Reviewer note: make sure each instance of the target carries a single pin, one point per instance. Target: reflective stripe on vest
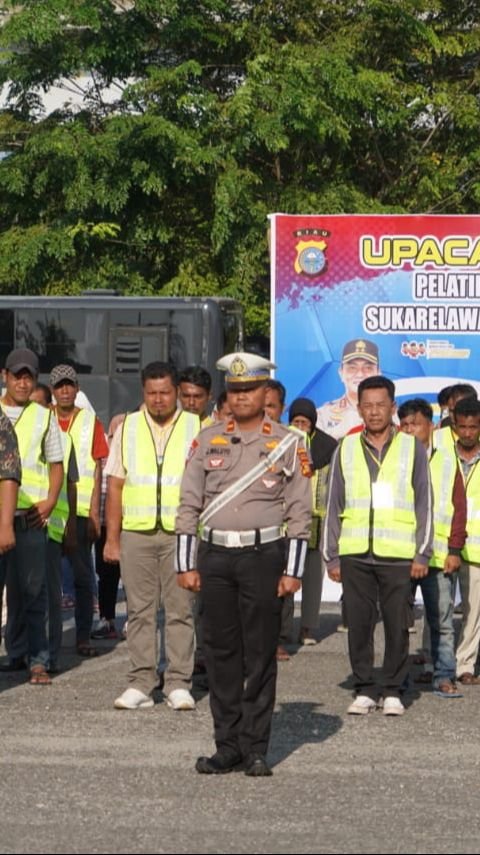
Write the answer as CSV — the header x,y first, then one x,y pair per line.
x,y
141,511
471,550
443,439
393,528
31,428
59,516
82,430
443,467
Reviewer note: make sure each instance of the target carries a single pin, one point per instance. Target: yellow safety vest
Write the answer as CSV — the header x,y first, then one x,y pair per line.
x,y
31,428
443,466
57,520
471,550
393,527
151,492
319,483
81,430
444,439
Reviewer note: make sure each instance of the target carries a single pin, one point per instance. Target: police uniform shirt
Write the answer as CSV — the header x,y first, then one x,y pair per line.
x,y
220,456
338,417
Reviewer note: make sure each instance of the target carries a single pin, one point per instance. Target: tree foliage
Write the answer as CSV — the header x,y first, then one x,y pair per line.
x,y
194,119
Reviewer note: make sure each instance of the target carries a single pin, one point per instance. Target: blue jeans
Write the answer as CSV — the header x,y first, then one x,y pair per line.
x,y
27,595
438,593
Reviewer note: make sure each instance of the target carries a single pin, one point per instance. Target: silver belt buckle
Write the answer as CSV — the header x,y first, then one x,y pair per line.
x,y
233,539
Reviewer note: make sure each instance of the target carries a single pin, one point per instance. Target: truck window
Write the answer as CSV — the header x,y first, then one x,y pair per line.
x,y
76,336
6,334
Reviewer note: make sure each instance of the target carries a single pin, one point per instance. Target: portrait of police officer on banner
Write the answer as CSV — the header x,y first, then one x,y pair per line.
x,y
360,359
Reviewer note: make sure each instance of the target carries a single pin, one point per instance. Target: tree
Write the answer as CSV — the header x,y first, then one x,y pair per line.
x,y
197,118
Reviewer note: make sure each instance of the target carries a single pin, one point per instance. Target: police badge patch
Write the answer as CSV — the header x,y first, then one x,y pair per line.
x,y
311,259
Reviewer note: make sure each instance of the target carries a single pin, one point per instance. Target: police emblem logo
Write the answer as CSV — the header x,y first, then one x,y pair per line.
x,y
238,367
311,259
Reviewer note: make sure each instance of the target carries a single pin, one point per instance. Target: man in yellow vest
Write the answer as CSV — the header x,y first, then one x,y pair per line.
x,y
145,467
378,533
444,436
195,392
302,415
90,445
449,522
466,424
41,454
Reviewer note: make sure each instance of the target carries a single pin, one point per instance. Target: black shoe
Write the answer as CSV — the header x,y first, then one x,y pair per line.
x,y
18,664
257,767
219,764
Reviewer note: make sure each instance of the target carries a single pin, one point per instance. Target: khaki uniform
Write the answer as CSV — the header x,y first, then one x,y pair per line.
x,y
240,607
338,417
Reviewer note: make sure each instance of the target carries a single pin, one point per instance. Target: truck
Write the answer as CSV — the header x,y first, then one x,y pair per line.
x,y
109,338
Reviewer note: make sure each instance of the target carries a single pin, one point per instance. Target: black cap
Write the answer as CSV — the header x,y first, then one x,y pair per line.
x,y
20,359
303,407
360,348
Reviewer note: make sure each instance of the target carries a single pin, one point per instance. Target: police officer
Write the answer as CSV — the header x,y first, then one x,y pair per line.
x,y
246,479
359,360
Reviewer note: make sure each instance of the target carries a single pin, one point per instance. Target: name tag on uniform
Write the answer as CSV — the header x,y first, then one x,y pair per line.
x,y
382,496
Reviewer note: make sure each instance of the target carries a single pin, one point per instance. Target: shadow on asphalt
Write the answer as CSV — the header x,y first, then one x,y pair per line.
x,y
298,724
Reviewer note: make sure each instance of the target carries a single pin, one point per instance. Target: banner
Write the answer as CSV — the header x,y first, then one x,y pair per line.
x,y
354,295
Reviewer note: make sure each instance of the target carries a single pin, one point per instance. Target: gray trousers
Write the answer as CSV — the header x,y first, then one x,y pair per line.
x,y
469,641
148,574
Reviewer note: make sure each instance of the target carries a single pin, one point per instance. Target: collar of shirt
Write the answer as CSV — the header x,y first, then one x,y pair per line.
x,y
380,453
467,462
266,428
161,428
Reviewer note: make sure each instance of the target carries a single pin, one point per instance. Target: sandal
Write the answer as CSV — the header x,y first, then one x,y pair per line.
x,y
282,655
39,676
86,650
468,679
447,689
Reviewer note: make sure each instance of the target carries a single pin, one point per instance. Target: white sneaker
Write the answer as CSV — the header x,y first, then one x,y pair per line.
x,y
393,706
180,699
362,705
133,699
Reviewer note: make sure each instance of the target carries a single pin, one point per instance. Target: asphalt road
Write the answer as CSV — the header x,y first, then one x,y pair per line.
x,y
78,776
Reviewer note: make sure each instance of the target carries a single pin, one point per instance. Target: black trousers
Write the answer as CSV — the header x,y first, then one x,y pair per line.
x,y
364,584
241,626
108,580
